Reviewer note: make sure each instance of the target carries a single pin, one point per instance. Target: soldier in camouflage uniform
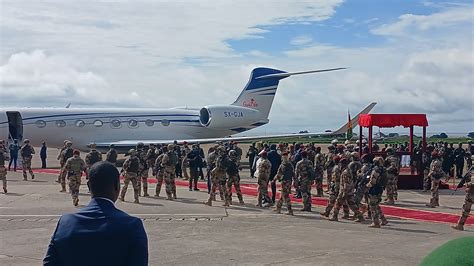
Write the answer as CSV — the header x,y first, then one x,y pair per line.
x,y
378,179
218,175
211,164
92,157
65,155
143,173
26,153
233,177
131,167
150,156
185,162
466,208
111,155
3,170
73,168
361,185
436,173
329,164
159,171
346,192
334,187
319,162
285,175
392,166
169,161
61,160
263,175
305,173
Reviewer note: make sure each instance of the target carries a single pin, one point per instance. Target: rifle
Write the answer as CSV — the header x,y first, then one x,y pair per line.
x,y
463,179
364,179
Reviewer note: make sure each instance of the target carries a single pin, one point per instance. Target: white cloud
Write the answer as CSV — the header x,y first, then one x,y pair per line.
x,y
410,23
301,40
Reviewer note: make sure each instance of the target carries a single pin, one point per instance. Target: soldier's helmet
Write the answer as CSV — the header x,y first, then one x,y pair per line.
x,y
170,147
111,146
232,153
93,146
389,151
221,150
66,141
132,152
140,145
334,141
76,152
378,161
347,142
152,145
69,143
26,141
355,156
343,161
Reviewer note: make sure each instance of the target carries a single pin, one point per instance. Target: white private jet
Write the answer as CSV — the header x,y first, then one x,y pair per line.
x,y
126,127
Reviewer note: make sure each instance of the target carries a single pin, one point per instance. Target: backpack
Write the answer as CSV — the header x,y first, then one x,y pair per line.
x,y
172,158
68,154
134,165
26,151
288,172
94,157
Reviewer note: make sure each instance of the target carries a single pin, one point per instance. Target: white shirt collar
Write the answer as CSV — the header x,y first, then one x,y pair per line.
x,y
105,199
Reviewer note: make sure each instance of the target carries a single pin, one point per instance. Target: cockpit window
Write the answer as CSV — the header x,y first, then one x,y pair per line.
x,y
132,123
165,122
40,123
115,123
149,122
60,123
80,123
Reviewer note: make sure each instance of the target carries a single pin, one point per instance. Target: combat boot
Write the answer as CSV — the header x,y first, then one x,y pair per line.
x,y
459,227
389,201
374,225
32,177
325,214
63,189
174,195
360,218
290,212
241,200
436,203
24,177
208,202
5,190
334,217
277,210
121,198
136,201
346,216
226,203
384,221
157,195
145,193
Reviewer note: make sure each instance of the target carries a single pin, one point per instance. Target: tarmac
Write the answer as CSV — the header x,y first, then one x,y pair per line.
x,y
186,232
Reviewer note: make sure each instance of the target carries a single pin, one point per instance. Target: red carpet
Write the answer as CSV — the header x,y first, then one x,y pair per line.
x,y
403,213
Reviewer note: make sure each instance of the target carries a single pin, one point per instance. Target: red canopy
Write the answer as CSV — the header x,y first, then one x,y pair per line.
x,y
393,120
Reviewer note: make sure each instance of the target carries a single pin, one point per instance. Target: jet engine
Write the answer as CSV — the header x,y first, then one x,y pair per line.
x,y
227,116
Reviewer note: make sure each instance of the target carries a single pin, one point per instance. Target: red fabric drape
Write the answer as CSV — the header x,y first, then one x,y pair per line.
x,y
393,120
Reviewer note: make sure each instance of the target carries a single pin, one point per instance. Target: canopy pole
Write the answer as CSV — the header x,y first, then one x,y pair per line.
x,y
370,140
360,141
411,140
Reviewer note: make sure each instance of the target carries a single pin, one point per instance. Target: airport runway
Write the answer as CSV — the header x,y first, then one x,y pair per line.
x,y
186,232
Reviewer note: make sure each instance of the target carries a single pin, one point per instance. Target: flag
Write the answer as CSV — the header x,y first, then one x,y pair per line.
x,y
349,126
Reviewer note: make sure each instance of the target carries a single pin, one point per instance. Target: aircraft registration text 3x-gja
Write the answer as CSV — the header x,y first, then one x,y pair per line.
x,y
125,127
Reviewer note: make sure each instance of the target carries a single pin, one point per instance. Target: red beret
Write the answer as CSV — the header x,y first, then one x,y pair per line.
x,y
76,152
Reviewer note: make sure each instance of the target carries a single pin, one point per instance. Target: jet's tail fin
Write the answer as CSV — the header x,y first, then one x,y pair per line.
x,y
262,86
354,121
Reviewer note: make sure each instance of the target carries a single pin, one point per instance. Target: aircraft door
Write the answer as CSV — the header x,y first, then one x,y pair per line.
x,y
15,126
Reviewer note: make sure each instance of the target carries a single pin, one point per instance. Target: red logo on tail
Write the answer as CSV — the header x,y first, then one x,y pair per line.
x,y
250,103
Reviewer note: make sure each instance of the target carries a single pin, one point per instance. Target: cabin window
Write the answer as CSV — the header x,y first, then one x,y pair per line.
x,y
115,123
60,123
80,123
98,123
40,123
165,122
132,123
149,122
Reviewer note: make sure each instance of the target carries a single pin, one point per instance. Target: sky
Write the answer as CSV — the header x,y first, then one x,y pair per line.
x,y
408,56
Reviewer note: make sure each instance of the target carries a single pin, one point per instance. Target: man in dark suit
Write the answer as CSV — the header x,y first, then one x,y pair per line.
x,y
99,234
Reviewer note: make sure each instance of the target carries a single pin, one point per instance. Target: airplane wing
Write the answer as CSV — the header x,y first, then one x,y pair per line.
x,y
125,145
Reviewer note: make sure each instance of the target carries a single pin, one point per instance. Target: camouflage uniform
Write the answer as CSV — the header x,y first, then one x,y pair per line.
x,y
27,152
160,171
334,187
184,162
466,207
233,177
329,165
61,160
92,157
218,175
319,172
285,175
131,166
436,173
375,185
361,189
143,173
346,192
73,169
67,153
111,156
3,170
302,171
393,164
263,175
169,161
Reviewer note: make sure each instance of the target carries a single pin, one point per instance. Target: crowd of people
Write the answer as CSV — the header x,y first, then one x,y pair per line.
x,y
355,183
